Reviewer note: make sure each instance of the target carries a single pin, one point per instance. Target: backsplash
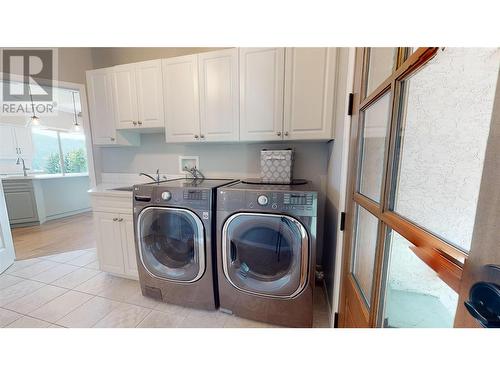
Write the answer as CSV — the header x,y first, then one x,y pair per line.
x,y
216,160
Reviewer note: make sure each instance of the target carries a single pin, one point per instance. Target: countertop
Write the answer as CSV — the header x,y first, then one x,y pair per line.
x,y
107,190
42,176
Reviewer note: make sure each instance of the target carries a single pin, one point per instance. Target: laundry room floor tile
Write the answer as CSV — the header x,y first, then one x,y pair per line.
x,y
158,319
125,316
7,317
61,306
28,322
89,313
69,290
32,301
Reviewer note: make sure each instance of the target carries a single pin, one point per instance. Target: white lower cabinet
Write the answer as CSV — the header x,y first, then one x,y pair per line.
x,y
128,244
116,243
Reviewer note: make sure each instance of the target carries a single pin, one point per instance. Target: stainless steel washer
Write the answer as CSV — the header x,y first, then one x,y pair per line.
x,y
266,246
173,224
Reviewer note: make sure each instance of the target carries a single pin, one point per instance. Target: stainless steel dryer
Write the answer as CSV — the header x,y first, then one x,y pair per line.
x,y
173,234
266,250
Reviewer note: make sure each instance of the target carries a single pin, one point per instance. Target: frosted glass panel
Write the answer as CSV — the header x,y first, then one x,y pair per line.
x,y
365,244
380,66
376,120
415,297
443,138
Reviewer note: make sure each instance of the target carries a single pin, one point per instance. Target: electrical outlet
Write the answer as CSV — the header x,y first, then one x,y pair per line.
x,y
188,162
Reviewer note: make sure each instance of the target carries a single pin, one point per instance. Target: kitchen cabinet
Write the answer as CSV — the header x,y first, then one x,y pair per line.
x,y
15,141
219,95
181,97
114,227
21,202
309,93
138,98
261,93
102,115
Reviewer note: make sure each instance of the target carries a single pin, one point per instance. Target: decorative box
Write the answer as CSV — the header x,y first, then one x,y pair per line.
x,y
276,166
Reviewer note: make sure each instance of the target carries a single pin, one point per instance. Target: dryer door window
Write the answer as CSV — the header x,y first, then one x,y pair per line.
x,y
265,254
171,243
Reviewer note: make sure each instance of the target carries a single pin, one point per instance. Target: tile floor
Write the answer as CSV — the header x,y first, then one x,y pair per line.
x,y
68,290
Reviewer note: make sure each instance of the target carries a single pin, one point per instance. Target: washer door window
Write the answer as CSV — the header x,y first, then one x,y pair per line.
x,y
265,254
171,243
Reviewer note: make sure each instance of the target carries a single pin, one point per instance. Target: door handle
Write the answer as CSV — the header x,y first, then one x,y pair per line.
x,y
484,304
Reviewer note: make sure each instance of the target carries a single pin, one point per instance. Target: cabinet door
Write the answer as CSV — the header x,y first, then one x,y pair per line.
x,y
101,106
8,147
180,89
150,94
309,93
219,96
261,93
128,245
125,96
21,207
24,141
109,247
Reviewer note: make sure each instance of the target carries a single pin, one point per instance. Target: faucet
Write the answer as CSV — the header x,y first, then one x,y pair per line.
x,y
19,161
157,179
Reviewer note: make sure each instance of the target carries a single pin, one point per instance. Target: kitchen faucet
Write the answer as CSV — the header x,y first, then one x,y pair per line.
x,y
157,179
19,161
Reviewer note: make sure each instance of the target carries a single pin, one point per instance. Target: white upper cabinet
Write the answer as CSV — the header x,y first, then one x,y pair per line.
x,y
149,94
309,93
125,96
261,93
180,90
219,95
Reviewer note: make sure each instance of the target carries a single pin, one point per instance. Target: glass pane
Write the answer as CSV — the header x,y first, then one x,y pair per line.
x,y
170,244
263,254
375,124
75,155
365,245
415,297
380,66
46,158
448,108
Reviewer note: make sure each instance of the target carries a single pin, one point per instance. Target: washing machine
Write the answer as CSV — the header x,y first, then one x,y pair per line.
x,y
173,227
266,250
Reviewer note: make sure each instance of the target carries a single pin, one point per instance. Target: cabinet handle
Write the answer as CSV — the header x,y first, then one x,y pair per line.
x,y
115,219
286,134
112,139
120,219
278,134
140,123
134,122
196,136
202,136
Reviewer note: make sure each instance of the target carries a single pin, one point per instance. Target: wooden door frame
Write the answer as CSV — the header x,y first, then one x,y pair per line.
x,y
445,259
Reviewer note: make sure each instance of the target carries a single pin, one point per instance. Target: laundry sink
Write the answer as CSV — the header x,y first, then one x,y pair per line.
x,y
124,188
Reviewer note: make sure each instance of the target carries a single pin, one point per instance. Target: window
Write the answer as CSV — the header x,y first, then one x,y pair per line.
x,y
442,141
58,152
415,296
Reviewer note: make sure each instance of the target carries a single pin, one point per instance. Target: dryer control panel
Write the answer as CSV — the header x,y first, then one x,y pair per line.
x,y
296,203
